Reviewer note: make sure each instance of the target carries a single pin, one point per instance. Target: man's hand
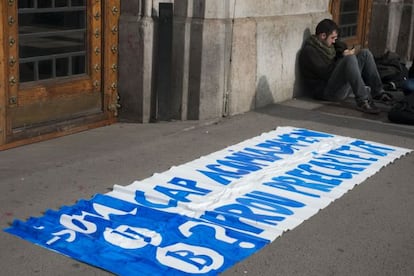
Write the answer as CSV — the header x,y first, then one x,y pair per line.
x,y
349,52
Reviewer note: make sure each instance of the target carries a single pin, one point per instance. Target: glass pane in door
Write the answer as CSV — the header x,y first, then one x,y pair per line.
x,y
52,39
348,19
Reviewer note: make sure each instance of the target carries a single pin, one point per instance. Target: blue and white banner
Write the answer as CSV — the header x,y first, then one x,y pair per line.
x,y
206,215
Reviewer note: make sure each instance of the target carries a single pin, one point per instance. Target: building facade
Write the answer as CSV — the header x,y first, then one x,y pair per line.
x,y
213,58
70,65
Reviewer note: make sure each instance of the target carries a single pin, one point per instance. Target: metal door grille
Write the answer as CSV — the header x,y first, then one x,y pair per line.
x,y
52,39
348,18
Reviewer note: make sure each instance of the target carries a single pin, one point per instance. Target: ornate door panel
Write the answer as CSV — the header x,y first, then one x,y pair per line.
x,y
353,18
57,59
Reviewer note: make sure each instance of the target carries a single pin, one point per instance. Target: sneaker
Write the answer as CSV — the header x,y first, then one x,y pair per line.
x,y
367,106
384,97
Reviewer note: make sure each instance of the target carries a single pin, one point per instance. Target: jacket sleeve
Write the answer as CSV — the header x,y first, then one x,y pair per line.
x,y
340,47
314,66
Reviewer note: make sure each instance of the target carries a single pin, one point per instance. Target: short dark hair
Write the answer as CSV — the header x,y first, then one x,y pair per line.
x,y
327,26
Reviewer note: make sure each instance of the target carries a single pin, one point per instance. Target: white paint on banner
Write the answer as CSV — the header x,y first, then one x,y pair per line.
x,y
265,185
203,216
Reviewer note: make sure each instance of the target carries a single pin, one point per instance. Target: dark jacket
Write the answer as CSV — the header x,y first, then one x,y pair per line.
x,y
315,69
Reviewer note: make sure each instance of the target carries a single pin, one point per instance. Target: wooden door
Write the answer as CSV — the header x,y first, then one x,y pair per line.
x,y
353,18
60,62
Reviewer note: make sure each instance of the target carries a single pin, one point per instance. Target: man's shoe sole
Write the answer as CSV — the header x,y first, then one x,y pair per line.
x,y
369,111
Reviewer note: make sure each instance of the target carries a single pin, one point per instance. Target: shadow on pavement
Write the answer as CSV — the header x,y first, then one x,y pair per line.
x,y
337,114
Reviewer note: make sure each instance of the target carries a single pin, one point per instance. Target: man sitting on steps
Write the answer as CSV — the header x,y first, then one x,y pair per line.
x,y
331,71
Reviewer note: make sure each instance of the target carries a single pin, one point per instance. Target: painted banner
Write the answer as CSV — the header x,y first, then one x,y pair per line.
x,y
204,216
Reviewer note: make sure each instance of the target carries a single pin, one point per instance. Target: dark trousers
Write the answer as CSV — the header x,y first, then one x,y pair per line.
x,y
353,74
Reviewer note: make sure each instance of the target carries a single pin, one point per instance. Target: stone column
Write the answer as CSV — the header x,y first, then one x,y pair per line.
x,y
394,23
392,28
200,57
136,46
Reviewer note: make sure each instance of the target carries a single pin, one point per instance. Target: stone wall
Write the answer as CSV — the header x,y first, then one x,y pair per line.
x,y
228,56
234,56
136,61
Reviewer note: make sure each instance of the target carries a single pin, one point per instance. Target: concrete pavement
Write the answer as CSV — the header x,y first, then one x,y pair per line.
x,y
369,231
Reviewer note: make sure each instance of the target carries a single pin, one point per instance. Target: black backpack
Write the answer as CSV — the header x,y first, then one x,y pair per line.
x,y
403,111
392,70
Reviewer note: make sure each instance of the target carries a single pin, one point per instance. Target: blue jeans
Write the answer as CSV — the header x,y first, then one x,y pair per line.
x,y
351,75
